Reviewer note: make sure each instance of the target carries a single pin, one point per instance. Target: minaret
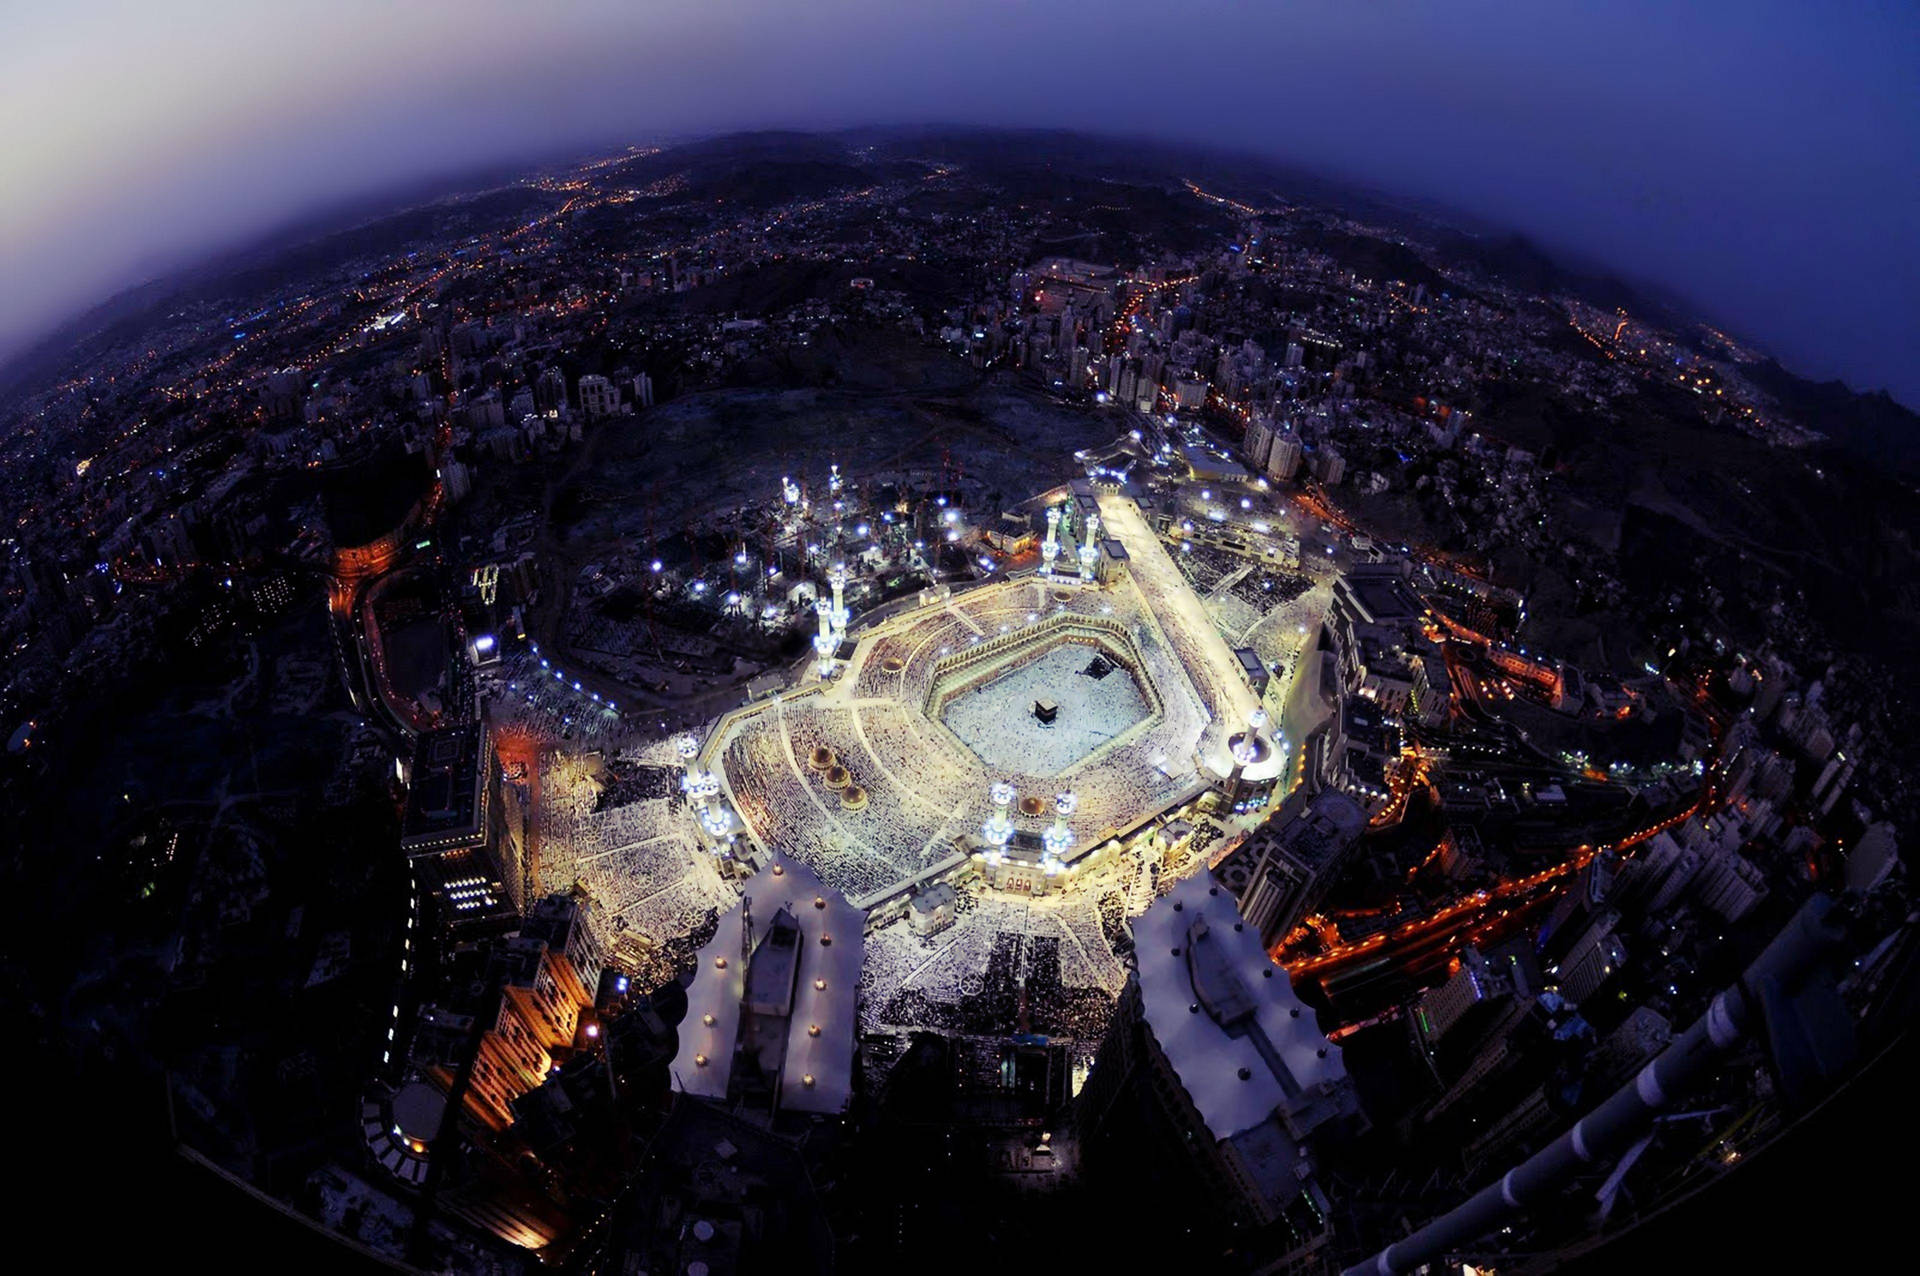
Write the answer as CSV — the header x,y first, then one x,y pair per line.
x,y
718,822
1247,748
1058,839
824,642
998,830
1050,547
838,579
703,791
1089,556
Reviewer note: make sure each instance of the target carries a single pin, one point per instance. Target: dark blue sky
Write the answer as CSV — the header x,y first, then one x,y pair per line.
x,y
1759,158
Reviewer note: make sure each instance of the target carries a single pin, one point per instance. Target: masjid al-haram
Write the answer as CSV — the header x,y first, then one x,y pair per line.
x,y
937,705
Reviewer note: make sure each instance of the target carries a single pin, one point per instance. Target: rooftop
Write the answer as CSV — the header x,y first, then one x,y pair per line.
x,y
821,979
1246,1050
447,786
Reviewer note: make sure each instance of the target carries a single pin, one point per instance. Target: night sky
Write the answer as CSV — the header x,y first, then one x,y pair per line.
x,y
1759,159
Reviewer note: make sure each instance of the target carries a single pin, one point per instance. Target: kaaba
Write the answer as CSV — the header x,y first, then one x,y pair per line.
x,y
1046,711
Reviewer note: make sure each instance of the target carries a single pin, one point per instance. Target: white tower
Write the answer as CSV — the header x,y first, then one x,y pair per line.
x,y
692,781
998,830
703,794
717,822
1050,547
838,579
824,642
1089,556
1246,748
1058,839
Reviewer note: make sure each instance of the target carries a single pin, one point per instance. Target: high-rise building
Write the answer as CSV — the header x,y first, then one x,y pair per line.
x,y
521,1001
463,830
1292,858
1592,959
512,1010
1467,997
1259,442
1576,909
1283,457
1730,884
1873,858
1328,466
1833,780
1190,393
1640,877
1676,882
455,480
550,391
1211,1053
560,922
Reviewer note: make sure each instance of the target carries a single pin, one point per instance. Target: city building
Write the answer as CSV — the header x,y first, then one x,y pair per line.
x,y
1291,860
1467,997
1284,454
1592,959
598,396
1211,1053
463,831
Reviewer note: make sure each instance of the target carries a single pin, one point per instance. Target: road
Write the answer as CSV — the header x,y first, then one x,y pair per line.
x,y
1477,918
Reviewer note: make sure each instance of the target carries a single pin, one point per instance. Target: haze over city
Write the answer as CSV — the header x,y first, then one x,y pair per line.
x,y
1755,160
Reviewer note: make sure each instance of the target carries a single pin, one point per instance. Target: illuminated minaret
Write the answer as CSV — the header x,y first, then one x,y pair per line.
x,y
998,830
1050,547
838,579
703,794
700,786
1058,839
1089,556
717,821
1249,747
824,642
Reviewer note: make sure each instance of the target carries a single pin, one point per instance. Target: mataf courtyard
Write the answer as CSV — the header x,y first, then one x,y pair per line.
x,y
1043,715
